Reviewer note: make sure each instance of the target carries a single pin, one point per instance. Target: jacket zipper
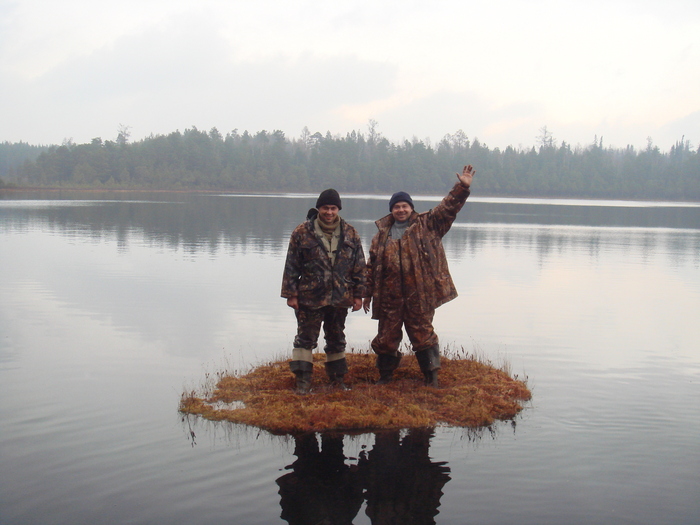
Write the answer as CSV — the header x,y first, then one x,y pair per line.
x,y
403,293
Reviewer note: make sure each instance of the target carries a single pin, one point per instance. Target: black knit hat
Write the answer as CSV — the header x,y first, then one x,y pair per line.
x,y
400,196
329,197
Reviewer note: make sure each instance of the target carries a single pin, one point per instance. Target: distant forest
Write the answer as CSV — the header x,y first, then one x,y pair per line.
x,y
357,163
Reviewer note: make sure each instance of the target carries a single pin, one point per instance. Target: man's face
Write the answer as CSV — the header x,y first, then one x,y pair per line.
x,y
401,211
327,213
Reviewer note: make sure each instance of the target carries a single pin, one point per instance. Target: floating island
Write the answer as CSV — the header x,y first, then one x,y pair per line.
x,y
473,393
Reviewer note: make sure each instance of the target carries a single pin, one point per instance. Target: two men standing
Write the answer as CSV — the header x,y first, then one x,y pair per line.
x,y
405,280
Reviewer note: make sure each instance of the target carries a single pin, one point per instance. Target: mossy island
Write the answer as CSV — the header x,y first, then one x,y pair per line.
x,y
473,393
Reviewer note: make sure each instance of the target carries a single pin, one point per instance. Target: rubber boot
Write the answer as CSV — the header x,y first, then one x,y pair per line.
x,y
303,371
429,362
336,371
387,363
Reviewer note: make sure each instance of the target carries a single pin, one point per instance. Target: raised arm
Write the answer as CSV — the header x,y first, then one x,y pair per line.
x,y
441,217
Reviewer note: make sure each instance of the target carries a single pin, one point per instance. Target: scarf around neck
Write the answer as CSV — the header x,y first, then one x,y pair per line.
x,y
329,235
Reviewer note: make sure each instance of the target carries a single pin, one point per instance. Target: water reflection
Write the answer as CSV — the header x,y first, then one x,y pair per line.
x,y
403,484
320,488
467,240
397,480
119,304
204,222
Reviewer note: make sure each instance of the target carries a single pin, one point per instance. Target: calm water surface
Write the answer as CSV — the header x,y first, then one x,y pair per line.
x,y
111,305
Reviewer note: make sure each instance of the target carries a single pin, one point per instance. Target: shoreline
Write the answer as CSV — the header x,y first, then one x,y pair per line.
x,y
487,197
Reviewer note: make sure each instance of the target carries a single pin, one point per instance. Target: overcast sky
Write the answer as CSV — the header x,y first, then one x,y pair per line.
x,y
625,70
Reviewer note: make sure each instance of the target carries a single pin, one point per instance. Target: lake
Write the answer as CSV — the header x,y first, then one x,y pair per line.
x,y
113,304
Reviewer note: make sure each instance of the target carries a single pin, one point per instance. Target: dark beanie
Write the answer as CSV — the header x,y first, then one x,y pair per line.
x,y
329,197
400,196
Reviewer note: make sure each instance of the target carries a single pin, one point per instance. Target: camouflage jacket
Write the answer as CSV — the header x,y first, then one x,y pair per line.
x,y
310,276
414,269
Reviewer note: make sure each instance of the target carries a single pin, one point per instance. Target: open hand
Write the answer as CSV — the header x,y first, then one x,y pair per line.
x,y
467,175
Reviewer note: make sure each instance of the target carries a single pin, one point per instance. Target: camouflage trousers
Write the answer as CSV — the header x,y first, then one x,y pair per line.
x,y
309,323
418,325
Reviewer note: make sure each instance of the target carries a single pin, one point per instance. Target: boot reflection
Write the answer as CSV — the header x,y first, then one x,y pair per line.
x,y
397,478
402,485
321,488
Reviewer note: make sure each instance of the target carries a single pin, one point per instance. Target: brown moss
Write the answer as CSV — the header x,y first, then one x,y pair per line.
x,y
471,394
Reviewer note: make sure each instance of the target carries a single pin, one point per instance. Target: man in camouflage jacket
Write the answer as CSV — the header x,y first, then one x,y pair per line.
x,y
324,275
408,278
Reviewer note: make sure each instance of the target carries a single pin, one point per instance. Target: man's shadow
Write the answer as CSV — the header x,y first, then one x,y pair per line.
x,y
403,485
321,488
396,478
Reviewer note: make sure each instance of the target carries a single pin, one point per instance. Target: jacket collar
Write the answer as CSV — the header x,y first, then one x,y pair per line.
x,y
387,221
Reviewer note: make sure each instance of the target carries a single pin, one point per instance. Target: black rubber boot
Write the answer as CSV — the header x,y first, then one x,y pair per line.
x,y
429,362
303,371
387,363
336,371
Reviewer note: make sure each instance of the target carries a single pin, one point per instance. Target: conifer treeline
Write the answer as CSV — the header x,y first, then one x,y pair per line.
x,y
365,163
14,156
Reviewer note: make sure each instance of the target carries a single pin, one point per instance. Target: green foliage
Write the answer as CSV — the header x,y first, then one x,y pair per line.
x,y
359,163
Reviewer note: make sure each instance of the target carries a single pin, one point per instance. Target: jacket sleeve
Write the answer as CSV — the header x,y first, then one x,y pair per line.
x,y
359,276
370,268
292,268
441,217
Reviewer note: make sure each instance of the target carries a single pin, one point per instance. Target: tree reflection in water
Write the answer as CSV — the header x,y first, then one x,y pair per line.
x,y
396,478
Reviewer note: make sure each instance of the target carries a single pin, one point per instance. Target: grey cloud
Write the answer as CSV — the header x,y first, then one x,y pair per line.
x,y
687,127
160,81
447,112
